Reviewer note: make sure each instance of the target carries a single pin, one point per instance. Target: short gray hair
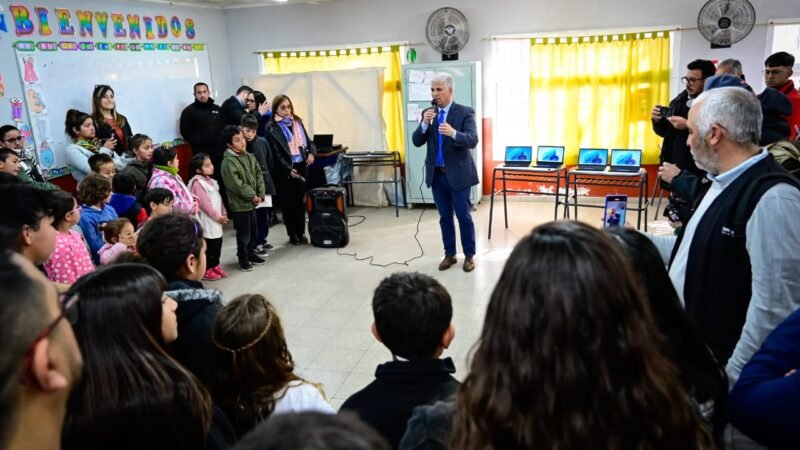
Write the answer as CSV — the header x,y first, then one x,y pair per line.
x,y
734,64
735,109
444,78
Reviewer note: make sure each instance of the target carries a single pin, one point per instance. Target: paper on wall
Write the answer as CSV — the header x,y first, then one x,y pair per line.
x,y
429,74
414,112
416,76
419,92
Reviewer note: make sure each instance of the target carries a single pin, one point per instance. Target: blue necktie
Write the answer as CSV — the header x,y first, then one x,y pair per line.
x,y
439,154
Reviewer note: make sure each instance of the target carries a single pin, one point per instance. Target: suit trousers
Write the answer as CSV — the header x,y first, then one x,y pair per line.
x,y
449,202
244,223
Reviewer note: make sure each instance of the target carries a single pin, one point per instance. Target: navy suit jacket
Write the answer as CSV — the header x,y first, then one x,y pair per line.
x,y
461,170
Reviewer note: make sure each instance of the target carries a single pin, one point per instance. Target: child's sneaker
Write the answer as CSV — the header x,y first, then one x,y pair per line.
x,y
211,275
256,260
220,272
246,267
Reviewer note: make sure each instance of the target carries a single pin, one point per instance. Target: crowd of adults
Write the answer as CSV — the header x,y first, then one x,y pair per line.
x,y
591,339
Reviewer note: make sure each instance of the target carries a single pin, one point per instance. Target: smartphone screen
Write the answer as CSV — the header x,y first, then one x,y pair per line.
x,y
615,210
665,111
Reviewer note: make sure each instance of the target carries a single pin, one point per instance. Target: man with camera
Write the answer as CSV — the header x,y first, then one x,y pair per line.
x,y
670,123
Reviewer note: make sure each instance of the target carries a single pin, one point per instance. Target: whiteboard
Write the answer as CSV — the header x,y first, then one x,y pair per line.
x,y
345,103
151,90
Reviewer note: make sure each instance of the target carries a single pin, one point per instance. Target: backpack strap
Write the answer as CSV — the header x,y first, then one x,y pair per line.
x,y
752,194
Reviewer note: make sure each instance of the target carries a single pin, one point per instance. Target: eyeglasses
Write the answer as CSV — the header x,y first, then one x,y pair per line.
x,y
771,72
67,302
73,211
16,139
687,80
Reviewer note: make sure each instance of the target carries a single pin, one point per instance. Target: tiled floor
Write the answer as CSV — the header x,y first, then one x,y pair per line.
x,y
324,299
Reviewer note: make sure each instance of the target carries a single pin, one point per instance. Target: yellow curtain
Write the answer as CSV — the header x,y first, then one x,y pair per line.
x,y
597,91
388,58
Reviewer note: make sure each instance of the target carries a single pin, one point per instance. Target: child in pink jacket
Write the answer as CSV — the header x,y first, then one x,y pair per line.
x,y
165,175
70,260
120,238
212,212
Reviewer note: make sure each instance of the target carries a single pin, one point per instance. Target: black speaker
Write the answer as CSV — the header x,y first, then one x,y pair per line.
x,y
327,217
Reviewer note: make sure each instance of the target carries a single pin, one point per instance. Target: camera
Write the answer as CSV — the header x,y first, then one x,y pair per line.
x,y
665,111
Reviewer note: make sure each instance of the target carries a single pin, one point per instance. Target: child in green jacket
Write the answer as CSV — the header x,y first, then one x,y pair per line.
x,y
244,184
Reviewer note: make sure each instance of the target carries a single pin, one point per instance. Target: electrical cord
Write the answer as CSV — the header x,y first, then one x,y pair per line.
x,y
371,259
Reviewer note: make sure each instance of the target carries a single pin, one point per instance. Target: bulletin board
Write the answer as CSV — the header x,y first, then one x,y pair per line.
x,y
152,86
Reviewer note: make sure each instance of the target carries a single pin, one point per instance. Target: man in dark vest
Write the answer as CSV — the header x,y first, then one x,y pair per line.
x,y
737,271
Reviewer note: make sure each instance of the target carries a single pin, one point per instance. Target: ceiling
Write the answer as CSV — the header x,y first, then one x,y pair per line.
x,y
232,4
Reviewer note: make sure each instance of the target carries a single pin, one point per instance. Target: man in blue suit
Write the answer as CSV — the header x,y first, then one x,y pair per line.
x,y
450,132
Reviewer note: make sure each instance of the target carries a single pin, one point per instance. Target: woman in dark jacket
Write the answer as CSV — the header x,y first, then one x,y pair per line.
x,y
292,152
174,245
108,121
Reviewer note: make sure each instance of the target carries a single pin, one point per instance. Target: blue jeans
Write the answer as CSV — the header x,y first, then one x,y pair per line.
x,y
449,202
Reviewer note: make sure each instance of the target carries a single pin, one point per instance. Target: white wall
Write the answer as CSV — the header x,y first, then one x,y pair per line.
x,y
209,27
345,22
751,52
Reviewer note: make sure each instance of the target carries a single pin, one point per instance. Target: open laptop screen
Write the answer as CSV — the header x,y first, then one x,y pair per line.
x,y
593,156
626,157
519,153
550,154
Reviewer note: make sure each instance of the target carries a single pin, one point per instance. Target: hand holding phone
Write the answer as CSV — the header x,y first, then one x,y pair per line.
x,y
615,211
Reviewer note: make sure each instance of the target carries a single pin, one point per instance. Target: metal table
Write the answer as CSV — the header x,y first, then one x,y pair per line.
x,y
546,175
377,159
623,180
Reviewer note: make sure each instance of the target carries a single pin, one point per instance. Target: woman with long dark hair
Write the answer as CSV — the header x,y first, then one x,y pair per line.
x,y
110,123
569,356
703,377
175,245
133,394
292,153
80,127
254,373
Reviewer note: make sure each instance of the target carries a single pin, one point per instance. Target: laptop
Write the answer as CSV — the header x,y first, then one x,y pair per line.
x,y
626,160
592,159
550,156
324,143
519,156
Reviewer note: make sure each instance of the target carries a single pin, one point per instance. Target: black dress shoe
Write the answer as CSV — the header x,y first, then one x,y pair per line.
x,y
293,240
303,239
